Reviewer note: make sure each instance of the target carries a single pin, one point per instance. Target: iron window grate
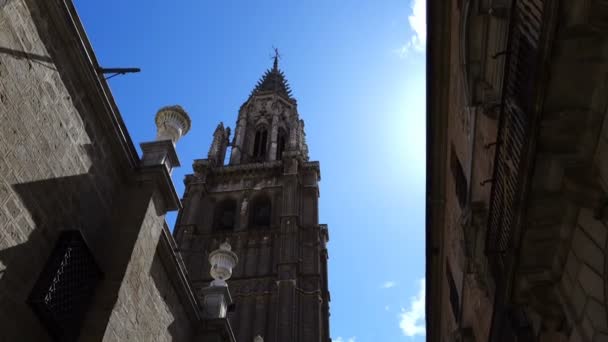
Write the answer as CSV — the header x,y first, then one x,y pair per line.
x,y
63,291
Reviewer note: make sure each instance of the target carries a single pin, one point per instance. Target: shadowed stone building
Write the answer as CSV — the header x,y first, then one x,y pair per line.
x,y
517,170
85,253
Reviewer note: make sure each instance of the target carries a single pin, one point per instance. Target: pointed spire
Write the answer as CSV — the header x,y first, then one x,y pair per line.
x,y
273,80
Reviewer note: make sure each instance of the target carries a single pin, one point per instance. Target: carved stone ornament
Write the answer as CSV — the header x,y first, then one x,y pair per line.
x,y
222,261
172,122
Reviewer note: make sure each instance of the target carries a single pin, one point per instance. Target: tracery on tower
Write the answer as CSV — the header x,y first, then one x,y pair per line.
x,y
268,125
265,204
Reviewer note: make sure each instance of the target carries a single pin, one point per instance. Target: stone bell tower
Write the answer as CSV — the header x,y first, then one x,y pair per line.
x,y
265,204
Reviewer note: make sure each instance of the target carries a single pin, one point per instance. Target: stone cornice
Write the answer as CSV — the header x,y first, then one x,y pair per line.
x,y
252,234
174,265
313,165
270,94
160,177
262,169
247,168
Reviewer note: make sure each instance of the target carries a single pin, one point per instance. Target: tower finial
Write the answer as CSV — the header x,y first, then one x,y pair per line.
x,y
276,59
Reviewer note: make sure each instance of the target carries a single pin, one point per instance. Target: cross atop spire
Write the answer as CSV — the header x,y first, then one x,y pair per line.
x,y
273,80
276,59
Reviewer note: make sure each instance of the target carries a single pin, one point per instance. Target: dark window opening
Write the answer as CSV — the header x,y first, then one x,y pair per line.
x,y
259,216
454,300
260,144
225,215
460,181
280,145
62,294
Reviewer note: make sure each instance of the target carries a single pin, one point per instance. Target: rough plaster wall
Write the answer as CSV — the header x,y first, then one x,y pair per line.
x,y
55,167
148,308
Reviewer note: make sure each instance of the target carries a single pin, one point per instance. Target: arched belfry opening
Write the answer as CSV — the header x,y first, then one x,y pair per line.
x,y
225,215
260,212
260,144
281,141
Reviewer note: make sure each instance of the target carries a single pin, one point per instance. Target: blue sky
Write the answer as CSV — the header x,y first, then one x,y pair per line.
x,y
357,70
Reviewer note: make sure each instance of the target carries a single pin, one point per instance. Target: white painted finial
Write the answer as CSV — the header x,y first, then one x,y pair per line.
x,y
222,261
172,123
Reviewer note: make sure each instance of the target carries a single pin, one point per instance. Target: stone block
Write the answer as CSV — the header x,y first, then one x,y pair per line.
x,y
566,285
601,158
575,336
593,227
577,300
587,251
596,312
600,337
586,328
572,265
591,282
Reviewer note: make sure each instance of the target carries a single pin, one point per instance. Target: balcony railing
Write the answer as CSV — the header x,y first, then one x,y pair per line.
x,y
514,130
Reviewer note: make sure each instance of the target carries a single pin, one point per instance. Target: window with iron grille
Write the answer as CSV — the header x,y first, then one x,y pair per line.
x,y
460,180
63,292
454,299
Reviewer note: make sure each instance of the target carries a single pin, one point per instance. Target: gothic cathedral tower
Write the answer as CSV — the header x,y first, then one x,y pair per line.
x,y
265,204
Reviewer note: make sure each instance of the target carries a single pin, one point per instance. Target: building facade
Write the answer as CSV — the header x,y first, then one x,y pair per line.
x,y
85,252
517,173
264,202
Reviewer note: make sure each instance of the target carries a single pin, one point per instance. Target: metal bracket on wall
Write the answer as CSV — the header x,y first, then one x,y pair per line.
x,y
117,71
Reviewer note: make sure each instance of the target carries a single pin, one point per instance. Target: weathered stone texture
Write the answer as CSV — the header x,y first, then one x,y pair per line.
x,y
56,169
279,286
63,166
548,212
148,307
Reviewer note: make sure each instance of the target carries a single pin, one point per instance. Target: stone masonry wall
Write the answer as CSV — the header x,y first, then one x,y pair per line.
x,y
63,167
469,130
583,282
148,307
56,166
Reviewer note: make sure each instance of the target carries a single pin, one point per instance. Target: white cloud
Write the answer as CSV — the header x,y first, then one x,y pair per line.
x,y
412,321
388,284
417,21
340,339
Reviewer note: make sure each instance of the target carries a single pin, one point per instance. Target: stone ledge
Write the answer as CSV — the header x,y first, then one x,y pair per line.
x,y
176,269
